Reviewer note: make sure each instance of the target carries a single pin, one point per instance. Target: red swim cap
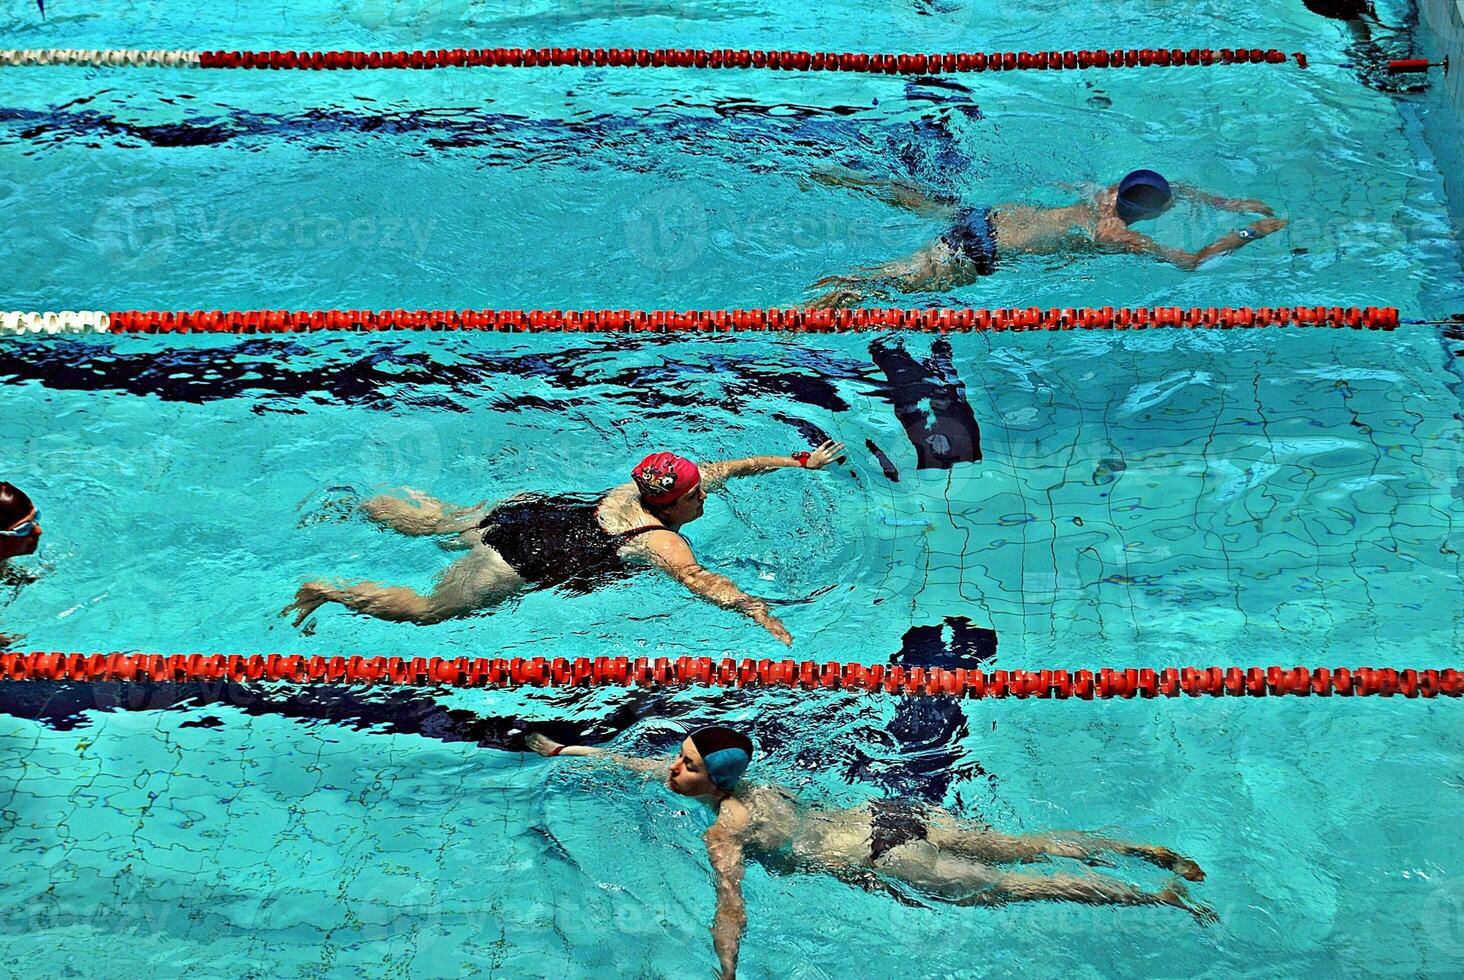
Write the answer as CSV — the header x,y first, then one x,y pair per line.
x,y
664,478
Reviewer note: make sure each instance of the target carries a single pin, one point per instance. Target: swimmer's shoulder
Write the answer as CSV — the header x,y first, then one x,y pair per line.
x,y
1105,208
1112,233
620,510
767,799
618,498
753,795
733,817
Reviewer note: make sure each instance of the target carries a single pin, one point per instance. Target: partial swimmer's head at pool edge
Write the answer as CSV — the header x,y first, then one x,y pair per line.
x,y
20,523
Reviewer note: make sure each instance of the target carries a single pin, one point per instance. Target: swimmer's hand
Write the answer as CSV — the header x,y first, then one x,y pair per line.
x,y
1266,226
8,642
1250,205
824,455
542,744
546,746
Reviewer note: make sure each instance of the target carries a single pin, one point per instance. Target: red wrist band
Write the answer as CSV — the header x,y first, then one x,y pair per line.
x,y
802,458
558,750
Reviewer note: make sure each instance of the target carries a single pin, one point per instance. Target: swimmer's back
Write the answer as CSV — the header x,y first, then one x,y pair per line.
x,y
559,540
1045,231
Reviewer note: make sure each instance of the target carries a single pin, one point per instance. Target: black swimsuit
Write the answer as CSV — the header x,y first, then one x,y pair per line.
x,y
892,823
973,238
558,540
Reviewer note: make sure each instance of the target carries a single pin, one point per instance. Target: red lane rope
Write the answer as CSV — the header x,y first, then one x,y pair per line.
x,y
747,673
725,321
888,64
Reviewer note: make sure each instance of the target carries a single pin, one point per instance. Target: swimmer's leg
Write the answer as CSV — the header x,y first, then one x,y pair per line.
x,y
961,881
1163,857
422,515
896,193
992,847
1087,890
479,581
933,269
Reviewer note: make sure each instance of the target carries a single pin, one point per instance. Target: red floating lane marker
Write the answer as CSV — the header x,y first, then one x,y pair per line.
x,y
916,63
1168,682
723,321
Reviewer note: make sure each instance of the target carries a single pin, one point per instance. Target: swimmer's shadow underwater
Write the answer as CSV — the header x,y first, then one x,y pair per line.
x,y
927,395
920,762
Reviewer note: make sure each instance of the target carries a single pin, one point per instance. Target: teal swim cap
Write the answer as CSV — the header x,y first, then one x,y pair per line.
x,y
725,752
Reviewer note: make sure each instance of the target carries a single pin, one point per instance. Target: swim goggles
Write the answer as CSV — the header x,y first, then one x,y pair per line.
x,y
25,529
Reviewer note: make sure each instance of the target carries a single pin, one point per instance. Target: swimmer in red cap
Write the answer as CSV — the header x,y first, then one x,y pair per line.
x,y
20,535
884,845
979,241
533,541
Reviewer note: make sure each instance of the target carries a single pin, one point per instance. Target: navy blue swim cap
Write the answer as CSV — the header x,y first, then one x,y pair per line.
x,y
725,752
1142,194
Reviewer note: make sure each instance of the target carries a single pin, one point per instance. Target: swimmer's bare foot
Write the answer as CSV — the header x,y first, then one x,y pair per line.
x,y
1178,896
836,177
1178,863
836,299
310,597
541,744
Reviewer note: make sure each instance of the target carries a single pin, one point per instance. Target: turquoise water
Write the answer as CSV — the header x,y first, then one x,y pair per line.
x,y
1157,498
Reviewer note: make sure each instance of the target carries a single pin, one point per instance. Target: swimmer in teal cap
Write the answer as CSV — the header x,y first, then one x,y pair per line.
x,y
885,845
980,241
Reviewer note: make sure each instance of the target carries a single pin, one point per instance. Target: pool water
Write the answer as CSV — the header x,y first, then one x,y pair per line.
x,y
1161,498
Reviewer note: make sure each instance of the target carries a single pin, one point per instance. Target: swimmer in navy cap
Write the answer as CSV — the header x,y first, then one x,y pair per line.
x,y
569,541
980,241
885,845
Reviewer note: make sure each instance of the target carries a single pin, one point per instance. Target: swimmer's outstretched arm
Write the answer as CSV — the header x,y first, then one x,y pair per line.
x,y
546,746
1133,241
672,555
718,473
724,849
1243,205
